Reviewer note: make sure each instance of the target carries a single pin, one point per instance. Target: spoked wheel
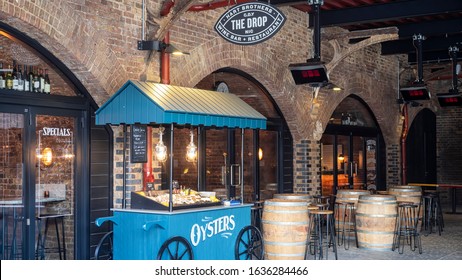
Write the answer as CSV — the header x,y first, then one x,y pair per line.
x,y
249,244
103,250
175,248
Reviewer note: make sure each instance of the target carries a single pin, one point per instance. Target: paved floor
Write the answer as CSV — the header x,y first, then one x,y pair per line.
x,y
448,246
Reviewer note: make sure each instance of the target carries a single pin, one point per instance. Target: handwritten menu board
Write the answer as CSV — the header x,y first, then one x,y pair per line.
x,y
138,147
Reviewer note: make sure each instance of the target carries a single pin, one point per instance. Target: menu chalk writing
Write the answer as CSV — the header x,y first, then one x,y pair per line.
x,y
138,147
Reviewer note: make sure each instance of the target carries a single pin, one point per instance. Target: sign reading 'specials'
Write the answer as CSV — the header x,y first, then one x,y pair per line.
x,y
250,23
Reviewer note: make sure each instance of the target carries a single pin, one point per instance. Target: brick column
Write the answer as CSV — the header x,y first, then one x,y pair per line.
x,y
307,171
393,165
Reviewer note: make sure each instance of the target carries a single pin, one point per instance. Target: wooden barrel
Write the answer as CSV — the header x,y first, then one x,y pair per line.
x,y
292,196
375,221
350,195
406,193
285,229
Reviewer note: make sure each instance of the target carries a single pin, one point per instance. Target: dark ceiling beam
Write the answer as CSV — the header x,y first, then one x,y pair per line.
x,y
430,28
431,57
430,44
384,12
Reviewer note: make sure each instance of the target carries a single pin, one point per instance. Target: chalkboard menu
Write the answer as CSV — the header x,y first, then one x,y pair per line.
x,y
138,147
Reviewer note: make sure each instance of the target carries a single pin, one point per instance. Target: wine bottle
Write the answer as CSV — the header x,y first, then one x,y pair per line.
x,y
25,78
42,80
36,81
15,76
2,79
31,78
47,87
20,86
9,78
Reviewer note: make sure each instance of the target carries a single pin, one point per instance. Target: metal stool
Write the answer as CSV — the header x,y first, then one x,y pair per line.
x,y
11,250
41,249
345,223
321,199
436,193
432,214
321,234
406,227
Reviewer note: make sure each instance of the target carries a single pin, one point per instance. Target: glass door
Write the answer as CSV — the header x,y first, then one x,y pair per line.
x,y
268,161
11,185
352,165
247,167
37,184
356,166
54,186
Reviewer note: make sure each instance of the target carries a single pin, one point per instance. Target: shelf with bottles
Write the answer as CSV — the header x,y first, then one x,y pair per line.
x,y
25,78
350,119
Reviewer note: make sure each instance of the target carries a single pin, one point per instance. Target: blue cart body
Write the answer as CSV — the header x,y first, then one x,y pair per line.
x,y
211,231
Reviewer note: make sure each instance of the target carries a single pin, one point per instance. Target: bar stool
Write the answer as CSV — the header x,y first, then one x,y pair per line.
x,y
345,223
11,228
41,249
406,227
321,199
432,215
436,193
321,234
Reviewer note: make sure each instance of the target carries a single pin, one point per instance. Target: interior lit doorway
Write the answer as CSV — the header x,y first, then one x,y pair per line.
x,y
352,150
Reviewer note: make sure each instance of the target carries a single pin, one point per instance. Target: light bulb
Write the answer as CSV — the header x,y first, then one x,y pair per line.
x,y
161,152
191,149
161,149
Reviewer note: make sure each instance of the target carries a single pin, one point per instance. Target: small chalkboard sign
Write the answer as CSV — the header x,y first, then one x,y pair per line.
x,y
138,141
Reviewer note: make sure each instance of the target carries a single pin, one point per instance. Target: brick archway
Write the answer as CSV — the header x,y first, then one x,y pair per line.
x,y
266,68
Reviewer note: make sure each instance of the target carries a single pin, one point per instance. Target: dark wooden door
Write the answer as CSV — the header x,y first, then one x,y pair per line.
x,y
421,149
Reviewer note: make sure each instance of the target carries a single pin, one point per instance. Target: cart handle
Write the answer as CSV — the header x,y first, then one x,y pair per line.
x,y
160,223
102,220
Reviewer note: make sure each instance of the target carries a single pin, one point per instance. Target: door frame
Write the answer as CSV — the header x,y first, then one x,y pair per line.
x,y
81,174
365,132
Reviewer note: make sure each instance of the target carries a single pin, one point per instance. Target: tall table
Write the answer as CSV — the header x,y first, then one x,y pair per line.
x,y
453,188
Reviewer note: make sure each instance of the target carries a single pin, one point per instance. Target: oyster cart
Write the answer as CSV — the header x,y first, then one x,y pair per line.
x,y
149,230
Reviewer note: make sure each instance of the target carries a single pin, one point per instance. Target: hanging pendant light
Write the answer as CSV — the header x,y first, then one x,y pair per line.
x,y
161,149
191,149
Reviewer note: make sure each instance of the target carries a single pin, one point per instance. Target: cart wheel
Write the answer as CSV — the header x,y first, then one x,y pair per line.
x,y
175,248
249,244
103,250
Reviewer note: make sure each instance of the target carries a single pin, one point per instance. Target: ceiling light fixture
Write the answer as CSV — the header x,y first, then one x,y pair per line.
x,y
155,45
160,47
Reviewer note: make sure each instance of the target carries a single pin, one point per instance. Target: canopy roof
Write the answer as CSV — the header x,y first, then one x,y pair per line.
x,y
147,103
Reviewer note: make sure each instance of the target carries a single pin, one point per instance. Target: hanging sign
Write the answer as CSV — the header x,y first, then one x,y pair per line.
x,y
250,23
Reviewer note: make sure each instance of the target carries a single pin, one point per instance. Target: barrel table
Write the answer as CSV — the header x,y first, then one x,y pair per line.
x,y
294,196
406,193
285,229
375,221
